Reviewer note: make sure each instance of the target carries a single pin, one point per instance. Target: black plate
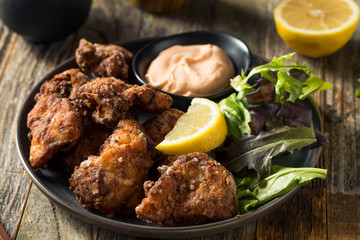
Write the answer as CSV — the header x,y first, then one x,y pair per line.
x,y
53,181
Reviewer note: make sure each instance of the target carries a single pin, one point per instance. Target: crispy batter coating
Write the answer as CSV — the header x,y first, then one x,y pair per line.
x,y
104,98
194,190
54,122
157,127
54,125
113,181
64,84
148,99
103,60
88,144
110,99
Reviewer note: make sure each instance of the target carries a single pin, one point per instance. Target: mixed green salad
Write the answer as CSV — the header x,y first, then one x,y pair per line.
x,y
267,117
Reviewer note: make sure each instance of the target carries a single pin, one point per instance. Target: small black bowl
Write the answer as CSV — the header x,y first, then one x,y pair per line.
x,y
44,21
236,50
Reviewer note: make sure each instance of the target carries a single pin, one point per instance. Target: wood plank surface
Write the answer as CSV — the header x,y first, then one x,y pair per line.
x,y
324,209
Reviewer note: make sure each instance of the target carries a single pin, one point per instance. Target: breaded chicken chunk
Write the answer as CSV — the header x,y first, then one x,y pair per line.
x,y
195,189
104,99
55,123
110,99
148,99
157,127
63,85
103,60
113,181
88,144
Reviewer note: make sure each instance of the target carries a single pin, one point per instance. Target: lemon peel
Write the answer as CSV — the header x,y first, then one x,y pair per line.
x,y
201,129
316,28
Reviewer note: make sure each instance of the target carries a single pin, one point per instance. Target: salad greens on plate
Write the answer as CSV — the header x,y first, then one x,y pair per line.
x,y
267,117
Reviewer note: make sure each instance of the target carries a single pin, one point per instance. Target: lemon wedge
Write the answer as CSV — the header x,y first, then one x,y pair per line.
x,y
201,129
316,28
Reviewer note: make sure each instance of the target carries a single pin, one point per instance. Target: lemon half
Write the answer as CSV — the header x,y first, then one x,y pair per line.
x,y
316,28
201,129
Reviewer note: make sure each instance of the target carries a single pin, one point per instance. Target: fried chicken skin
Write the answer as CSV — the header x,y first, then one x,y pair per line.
x,y
110,99
54,125
113,181
195,189
103,60
88,144
157,127
104,98
148,99
64,85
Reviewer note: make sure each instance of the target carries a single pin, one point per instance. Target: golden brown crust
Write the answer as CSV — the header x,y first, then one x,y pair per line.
x,y
194,190
157,127
54,125
103,97
103,60
88,144
148,99
113,181
110,99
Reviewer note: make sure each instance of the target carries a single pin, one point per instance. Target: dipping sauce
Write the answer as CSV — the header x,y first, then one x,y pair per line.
x,y
193,70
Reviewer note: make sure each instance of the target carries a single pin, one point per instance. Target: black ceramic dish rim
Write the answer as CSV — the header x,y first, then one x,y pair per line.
x,y
151,231
227,91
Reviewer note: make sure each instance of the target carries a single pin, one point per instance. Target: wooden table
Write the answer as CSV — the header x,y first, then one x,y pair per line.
x,y
327,209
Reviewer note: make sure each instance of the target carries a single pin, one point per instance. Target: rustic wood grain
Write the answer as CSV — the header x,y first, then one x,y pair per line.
x,y
324,209
44,220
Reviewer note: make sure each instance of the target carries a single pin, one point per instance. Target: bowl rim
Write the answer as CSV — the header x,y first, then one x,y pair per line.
x,y
174,36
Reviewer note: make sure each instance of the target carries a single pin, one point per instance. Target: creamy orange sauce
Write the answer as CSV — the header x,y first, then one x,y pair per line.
x,y
194,70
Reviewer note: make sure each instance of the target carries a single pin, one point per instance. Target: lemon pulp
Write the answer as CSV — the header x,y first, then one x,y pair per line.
x,y
201,129
316,28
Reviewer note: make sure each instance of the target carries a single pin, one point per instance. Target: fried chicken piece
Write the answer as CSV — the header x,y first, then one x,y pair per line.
x,y
148,99
88,144
157,127
103,60
54,122
104,98
54,125
64,84
110,99
112,182
195,189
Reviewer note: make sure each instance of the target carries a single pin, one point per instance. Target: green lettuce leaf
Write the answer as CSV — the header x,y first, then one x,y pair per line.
x,y
283,81
281,181
314,84
236,114
240,84
256,152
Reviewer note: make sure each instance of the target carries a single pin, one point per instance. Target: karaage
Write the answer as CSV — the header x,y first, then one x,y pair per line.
x,y
55,123
148,99
195,189
103,60
110,99
88,144
113,181
157,127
